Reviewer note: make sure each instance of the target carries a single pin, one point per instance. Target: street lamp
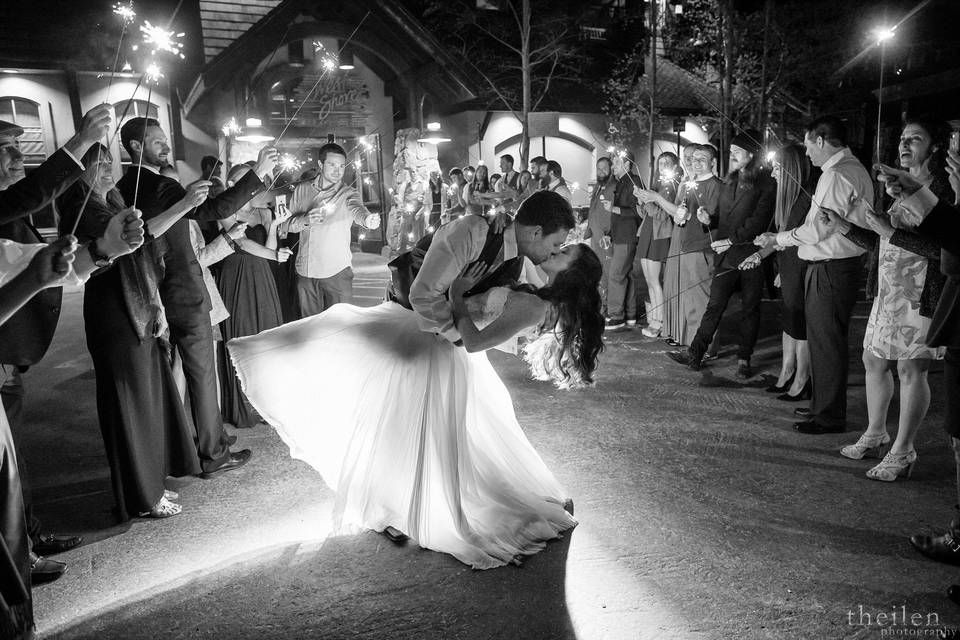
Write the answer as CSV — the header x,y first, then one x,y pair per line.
x,y
254,132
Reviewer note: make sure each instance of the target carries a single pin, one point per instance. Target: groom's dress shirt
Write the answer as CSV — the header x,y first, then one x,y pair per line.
x,y
844,187
454,246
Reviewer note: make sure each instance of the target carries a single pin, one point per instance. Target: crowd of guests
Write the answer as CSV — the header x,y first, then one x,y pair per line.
x,y
170,273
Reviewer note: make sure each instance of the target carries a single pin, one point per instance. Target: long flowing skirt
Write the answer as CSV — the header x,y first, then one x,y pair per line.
x,y
686,291
410,431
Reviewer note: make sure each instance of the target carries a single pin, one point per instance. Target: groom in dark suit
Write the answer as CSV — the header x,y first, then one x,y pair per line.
x,y
182,290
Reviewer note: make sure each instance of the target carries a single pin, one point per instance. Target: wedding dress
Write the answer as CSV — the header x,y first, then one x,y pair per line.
x,y
408,430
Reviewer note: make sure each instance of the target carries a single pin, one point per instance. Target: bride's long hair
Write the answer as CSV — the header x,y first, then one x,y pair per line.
x,y
566,352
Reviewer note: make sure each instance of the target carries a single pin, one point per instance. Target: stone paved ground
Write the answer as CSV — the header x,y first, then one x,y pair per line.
x,y
703,515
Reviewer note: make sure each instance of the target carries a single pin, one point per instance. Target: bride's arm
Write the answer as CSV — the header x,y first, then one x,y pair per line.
x,y
522,310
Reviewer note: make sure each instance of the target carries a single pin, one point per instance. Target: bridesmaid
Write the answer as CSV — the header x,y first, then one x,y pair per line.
x,y
145,429
249,292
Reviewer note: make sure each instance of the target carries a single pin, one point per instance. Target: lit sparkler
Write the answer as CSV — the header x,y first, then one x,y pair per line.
x,y
231,128
668,175
153,73
289,163
126,12
771,156
160,39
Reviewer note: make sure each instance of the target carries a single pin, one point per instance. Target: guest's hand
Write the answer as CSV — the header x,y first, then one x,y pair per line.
x,y
499,221
899,183
880,224
52,263
953,173
644,195
720,246
765,240
606,204
95,125
281,214
469,278
681,216
372,221
777,282
703,215
317,215
123,235
266,161
833,222
197,192
752,261
237,231
283,254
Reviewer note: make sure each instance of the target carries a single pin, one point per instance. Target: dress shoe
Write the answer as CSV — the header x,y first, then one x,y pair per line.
x,y
236,460
942,548
774,388
685,358
50,544
805,394
866,446
893,466
709,357
803,412
44,570
614,325
744,370
395,535
815,428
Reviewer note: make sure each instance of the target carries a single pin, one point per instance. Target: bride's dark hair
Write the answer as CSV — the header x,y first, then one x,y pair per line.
x,y
567,351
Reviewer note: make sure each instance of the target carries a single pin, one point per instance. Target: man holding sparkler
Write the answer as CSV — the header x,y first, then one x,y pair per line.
x,y
323,211
624,222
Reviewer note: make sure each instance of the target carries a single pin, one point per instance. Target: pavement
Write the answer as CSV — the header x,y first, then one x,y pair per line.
x,y
703,515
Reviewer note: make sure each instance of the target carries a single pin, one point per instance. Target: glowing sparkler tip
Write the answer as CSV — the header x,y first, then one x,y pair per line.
x,y
126,12
231,127
161,39
289,163
668,175
611,149
575,185
153,72
771,156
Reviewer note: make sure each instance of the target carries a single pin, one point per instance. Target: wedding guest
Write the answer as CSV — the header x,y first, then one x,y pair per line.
x,y
456,205
598,223
834,263
249,292
653,239
323,211
182,289
910,284
624,222
146,433
438,200
555,181
791,170
746,206
475,193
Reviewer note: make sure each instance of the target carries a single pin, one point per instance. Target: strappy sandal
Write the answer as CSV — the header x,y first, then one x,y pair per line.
x,y
171,495
163,509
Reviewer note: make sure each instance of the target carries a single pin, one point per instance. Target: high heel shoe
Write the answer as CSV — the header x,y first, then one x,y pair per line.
x,y
866,447
893,466
780,388
805,394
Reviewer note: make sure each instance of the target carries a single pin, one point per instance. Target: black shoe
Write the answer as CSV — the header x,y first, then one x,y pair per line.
x,y
942,548
236,460
50,544
395,535
805,394
780,389
43,570
744,370
614,324
803,412
685,358
815,428
953,592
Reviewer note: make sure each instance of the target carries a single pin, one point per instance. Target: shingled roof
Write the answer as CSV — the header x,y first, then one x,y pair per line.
x,y
679,92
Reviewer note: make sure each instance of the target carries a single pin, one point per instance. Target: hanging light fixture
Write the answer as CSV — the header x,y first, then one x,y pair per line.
x,y
255,132
434,134
346,59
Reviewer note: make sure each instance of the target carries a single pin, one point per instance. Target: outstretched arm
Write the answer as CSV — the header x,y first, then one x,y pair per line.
x,y
521,310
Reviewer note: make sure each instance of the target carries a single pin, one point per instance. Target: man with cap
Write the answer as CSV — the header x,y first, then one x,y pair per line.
x,y
746,207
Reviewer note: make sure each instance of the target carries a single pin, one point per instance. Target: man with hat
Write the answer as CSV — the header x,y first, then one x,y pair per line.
x,y
746,207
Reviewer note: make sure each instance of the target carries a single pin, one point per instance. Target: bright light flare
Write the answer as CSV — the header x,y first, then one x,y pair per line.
x,y
771,156
882,34
126,12
231,127
153,72
289,163
668,175
575,185
611,149
160,39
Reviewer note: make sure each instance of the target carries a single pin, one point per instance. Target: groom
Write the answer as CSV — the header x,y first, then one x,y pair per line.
x,y
538,232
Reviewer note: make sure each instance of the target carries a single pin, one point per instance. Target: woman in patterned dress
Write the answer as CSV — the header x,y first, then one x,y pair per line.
x,y
909,285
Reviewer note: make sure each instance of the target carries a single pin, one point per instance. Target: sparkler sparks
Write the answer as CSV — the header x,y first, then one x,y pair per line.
x,y
153,72
289,163
126,12
668,175
231,127
160,39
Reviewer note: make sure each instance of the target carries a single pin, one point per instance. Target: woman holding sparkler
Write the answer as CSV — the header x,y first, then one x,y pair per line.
x,y
653,243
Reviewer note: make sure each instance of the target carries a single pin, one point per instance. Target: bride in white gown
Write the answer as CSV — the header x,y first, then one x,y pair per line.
x,y
414,433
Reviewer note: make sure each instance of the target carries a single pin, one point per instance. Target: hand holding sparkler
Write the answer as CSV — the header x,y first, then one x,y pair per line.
x,y
95,125
283,254
266,161
318,214
645,195
752,261
372,221
123,235
237,231
764,240
832,221
197,192
682,215
52,262
880,224
703,215
720,246
899,183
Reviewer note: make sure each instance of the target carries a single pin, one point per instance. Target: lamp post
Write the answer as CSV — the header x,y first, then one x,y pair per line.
x,y
882,34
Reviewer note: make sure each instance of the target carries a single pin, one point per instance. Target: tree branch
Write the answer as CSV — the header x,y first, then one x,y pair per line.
x,y
496,37
547,87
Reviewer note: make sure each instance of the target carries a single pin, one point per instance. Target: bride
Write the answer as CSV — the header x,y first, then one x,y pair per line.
x,y
416,434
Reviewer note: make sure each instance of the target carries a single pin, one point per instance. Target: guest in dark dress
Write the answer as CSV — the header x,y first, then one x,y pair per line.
x,y
145,429
791,170
653,240
248,288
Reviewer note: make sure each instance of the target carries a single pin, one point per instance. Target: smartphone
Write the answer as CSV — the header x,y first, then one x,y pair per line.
x,y
281,205
955,141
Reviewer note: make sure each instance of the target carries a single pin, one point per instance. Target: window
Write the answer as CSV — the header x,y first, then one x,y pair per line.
x,y
128,109
26,114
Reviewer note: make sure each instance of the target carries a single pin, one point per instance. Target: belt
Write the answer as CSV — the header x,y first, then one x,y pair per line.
x,y
831,260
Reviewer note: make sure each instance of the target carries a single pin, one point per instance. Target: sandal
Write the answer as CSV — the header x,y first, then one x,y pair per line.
x,y
163,509
171,495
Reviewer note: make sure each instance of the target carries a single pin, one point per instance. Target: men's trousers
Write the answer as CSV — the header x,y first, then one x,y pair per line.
x,y
193,338
727,281
621,289
829,295
317,294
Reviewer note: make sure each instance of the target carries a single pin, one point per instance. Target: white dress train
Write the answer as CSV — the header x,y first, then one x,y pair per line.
x,y
408,430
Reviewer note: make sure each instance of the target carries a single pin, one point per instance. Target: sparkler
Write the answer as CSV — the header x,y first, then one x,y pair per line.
x,y
160,39
126,13
231,127
289,163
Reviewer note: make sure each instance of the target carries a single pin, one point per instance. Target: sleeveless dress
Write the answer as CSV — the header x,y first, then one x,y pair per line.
x,y
410,431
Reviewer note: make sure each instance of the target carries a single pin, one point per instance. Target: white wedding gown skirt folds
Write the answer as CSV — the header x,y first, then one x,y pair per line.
x,y
408,430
